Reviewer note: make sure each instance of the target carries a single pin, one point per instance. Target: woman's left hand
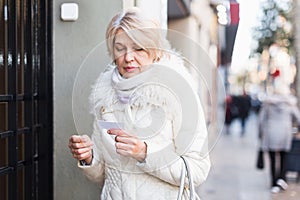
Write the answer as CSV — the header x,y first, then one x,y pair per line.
x,y
129,145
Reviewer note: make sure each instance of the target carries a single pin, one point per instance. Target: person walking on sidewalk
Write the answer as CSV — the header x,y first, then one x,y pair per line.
x,y
276,117
244,105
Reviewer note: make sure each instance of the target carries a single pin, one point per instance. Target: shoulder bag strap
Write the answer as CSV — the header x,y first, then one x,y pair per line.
x,y
186,172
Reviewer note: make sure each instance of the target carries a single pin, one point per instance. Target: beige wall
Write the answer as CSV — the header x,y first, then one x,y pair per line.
x,y
72,44
188,40
158,9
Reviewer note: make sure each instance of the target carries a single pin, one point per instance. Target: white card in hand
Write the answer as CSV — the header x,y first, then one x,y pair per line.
x,y
110,125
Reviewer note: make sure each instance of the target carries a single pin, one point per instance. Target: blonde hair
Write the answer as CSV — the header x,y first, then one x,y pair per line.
x,y
144,32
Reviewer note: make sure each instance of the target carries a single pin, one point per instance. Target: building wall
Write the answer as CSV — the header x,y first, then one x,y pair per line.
x,y
194,42
76,53
200,44
158,10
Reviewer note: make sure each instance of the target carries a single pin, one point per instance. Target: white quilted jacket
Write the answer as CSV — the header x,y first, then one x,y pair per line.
x,y
158,177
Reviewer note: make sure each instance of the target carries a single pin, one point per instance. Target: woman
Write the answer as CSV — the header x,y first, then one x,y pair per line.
x,y
140,159
278,113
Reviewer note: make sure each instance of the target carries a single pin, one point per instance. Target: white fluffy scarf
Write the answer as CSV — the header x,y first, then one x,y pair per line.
x,y
110,88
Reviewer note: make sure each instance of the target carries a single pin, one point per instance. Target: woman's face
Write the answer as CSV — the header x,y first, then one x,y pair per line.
x,y
130,58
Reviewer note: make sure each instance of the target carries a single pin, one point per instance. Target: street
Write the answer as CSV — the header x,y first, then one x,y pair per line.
x,y
234,176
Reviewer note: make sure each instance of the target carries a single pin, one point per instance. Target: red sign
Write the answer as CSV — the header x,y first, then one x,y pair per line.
x,y
234,13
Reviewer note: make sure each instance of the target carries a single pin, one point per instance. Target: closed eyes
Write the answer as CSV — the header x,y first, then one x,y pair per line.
x,y
121,48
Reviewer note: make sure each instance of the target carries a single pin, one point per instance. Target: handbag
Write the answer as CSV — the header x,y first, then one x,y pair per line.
x,y
260,164
186,172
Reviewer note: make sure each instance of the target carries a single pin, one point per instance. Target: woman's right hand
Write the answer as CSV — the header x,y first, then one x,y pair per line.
x,y
81,148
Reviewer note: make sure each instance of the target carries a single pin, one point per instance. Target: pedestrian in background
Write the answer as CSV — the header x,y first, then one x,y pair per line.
x,y
230,112
237,107
124,164
244,105
278,113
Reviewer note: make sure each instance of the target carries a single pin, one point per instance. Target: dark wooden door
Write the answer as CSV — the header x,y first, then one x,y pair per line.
x,y
26,131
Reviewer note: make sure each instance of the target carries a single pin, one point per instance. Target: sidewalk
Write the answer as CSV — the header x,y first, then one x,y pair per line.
x,y
233,175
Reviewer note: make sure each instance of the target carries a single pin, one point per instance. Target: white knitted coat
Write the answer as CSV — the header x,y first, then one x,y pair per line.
x,y
276,119
158,177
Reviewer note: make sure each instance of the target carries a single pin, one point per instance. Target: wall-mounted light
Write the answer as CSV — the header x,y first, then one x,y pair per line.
x,y
222,13
69,11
